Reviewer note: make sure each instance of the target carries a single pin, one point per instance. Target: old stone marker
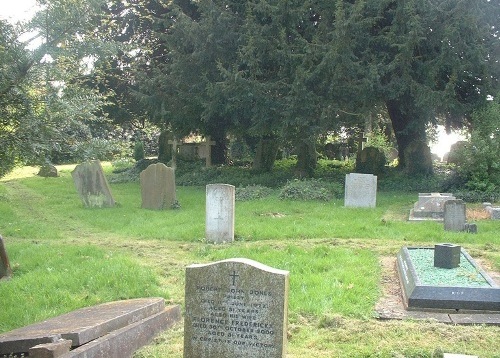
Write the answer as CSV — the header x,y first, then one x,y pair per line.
x,y
158,187
113,329
220,213
235,308
360,190
5,270
430,206
454,215
92,185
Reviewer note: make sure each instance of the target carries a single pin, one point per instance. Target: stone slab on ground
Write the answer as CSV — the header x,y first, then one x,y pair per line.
x,y
452,355
50,350
123,342
81,326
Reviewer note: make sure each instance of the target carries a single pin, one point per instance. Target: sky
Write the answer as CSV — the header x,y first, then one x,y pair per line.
x,y
21,10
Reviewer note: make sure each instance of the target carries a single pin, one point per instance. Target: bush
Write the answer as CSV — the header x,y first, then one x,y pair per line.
x,y
312,189
95,148
252,192
139,153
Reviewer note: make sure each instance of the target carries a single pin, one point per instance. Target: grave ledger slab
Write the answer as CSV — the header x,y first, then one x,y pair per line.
x,y
235,308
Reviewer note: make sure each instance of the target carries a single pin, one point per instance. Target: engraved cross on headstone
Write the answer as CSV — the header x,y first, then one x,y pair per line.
x,y
234,275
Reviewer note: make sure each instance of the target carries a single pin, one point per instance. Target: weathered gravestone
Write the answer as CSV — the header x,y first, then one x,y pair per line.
x,y
370,160
158,187
454,215
235,308
92,185
48,171
220,213
360,190
5,270
430,206
109,330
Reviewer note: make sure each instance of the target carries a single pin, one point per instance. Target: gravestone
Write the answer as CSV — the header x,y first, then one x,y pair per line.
x,y
158,187
48,171
495,213
430,206
219,225
235,308
454,215
5,270
370,160
360,190
92,185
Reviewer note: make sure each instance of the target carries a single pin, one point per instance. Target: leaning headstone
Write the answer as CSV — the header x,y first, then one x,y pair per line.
x,y
220,213
92,185
235,308
454,215
360,190
158,187
5,270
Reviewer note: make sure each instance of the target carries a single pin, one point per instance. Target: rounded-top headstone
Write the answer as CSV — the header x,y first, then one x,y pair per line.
x,y
220,205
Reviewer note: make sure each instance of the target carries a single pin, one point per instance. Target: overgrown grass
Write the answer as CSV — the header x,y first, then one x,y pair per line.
x,y
65,256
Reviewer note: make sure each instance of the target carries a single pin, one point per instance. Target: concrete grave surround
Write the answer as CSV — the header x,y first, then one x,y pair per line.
x,y
113,329
360,190
419,296
219,226
235,308
5,270
454,215
158,187
92,185
430,206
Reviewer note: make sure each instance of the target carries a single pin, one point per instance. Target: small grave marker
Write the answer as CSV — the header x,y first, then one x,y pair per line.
x,y
360,190
158,187
92,185
454,215
5,270
220,205
447,255
235,308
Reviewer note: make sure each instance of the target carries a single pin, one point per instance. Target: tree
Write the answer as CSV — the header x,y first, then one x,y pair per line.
x,y
434,61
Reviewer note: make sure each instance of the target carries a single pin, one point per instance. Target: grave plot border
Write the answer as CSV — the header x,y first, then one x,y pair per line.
x,y
417,296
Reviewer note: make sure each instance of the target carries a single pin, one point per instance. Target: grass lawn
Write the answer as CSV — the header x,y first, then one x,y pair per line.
x,y
65,257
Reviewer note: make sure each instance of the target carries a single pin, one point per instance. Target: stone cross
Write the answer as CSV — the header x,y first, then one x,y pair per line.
x,y
208,151
174,143
361,142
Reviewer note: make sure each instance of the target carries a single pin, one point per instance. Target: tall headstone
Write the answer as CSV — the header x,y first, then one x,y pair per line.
x,y
454,215
220,213
360,190
235,308
5,270
158,187
92,185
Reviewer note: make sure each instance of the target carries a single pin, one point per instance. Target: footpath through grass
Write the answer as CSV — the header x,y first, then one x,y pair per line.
x,y
65,256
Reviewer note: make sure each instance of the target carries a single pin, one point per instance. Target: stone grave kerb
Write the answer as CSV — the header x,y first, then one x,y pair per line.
x,y
235,308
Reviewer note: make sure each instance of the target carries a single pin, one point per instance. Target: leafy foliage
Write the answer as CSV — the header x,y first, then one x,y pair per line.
x,y
312,189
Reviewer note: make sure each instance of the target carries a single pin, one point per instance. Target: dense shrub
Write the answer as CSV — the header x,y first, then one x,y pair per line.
x,y
252,192
311,189
139,153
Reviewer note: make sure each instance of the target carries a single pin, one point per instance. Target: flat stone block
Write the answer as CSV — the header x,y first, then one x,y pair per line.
x,y
447,255
81,326
123,342
50,350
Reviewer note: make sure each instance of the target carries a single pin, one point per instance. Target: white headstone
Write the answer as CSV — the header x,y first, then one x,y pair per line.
x,y
360,190
219,225
235,308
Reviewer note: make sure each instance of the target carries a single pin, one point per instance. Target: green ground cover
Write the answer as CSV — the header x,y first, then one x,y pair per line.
x,y
65,256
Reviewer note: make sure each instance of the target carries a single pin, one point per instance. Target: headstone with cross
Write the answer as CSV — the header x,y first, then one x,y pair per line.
x,y
361,142
235,308
220,205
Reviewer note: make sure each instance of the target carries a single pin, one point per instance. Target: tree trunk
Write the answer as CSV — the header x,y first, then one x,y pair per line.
x,y
165,148
408,126
306,158
265,154
218,152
